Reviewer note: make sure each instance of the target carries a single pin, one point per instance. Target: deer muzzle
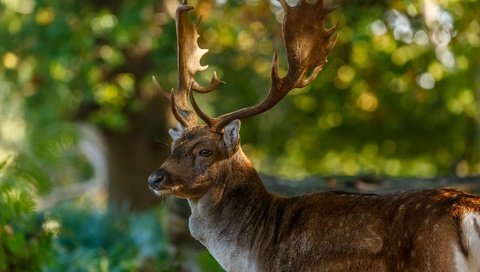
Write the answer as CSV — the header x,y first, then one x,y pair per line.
x,y
160,181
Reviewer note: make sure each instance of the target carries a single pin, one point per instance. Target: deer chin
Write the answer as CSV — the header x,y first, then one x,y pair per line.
x,y
166,191
163,192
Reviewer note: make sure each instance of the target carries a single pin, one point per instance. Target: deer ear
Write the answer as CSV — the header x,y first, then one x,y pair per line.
x,y
176,132
231,135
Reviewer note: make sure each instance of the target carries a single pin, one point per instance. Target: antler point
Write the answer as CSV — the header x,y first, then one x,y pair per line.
x,y
162,91
155,82
209,121
216,79
274,73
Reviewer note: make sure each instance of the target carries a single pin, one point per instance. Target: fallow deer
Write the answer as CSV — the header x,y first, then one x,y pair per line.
x,y
248,229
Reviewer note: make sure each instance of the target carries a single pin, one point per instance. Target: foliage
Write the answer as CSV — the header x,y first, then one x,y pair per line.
x,y
25,245
89,239
76,236
399,97
402,78
207,263
62,55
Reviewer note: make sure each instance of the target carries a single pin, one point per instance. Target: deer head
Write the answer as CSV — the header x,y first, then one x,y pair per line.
x,y
201,153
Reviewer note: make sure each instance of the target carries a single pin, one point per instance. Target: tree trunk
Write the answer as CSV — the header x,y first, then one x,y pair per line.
x,y
134,154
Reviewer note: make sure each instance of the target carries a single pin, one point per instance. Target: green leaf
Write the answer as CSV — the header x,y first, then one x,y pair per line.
x,y
16,244
208,263
3,258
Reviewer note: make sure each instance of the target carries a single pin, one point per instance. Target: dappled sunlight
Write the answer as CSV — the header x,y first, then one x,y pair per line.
x,y
400,24
79,113
404,54
378,28
20,6
103,23
364,161
245,41
345,74
52,226
45,16
421,38
473,34
464,103
385,43
386,65
10,60
426,81
360,54
367,102
436,70
59,72
12,130
330,120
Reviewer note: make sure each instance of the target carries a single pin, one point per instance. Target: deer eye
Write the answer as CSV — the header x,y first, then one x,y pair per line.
x,y
205,153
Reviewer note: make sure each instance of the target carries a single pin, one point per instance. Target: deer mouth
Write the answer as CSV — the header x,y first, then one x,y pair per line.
x,y
162,192
166,191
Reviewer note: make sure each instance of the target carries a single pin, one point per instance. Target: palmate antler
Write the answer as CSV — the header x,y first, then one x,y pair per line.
x,y
188,62
307,44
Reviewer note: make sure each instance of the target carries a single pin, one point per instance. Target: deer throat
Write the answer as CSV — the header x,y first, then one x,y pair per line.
x,y
217,237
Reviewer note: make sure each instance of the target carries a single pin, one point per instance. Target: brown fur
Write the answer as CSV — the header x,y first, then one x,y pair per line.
x,y
331,231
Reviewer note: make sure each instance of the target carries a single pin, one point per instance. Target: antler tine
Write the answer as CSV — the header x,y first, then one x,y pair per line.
x,y
188,61
207,119
184,117
307,43
214,84
162,91
272,98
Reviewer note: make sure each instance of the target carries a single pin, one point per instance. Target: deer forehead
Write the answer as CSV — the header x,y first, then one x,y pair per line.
x,y
197,136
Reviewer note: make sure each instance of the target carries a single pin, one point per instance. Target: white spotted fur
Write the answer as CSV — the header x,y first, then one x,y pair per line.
x,y
470,263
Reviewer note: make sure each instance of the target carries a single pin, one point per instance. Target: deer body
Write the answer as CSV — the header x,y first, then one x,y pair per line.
x,y
248,229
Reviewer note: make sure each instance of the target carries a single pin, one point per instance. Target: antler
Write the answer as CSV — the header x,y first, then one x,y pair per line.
x,y
188,61
307,44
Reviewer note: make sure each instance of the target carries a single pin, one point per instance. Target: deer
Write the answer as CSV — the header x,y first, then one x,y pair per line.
x,y
246,228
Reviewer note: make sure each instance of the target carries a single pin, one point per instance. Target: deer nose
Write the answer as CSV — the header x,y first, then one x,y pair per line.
x,y
158,178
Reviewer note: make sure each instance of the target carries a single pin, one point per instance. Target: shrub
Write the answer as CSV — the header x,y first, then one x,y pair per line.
x,y
25,245
93,239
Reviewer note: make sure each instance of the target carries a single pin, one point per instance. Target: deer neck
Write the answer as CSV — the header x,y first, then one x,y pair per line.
x,y
222,218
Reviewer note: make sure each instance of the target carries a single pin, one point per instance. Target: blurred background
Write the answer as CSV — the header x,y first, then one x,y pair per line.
x,y
82,125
